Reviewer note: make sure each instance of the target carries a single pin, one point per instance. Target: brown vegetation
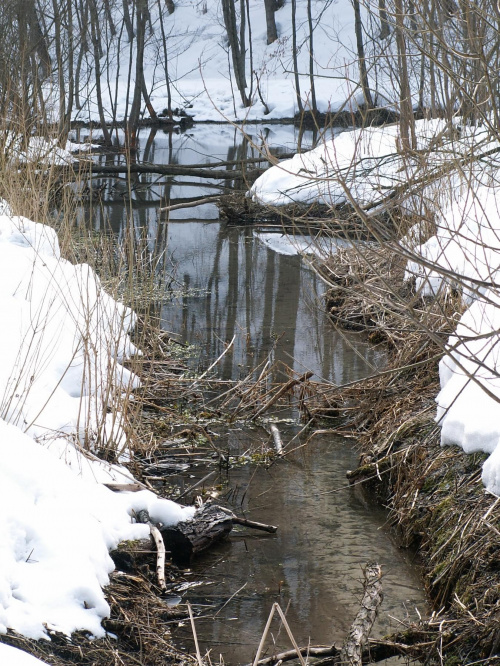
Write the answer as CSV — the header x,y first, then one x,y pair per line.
x,y
435,495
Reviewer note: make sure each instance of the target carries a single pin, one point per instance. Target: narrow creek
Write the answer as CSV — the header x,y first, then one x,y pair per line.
x,y
226,282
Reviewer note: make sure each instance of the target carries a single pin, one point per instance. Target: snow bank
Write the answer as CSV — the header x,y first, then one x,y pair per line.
x,y
464,254
62,343
11,656
365,162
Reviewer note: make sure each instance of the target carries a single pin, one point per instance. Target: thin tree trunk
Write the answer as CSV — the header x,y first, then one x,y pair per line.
x,y
94,29
165,59
237,47
295,61
407,121
135,109
363,74
314,107
272,31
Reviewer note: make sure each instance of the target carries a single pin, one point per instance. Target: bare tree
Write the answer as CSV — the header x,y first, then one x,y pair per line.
x,y
236,41
272,30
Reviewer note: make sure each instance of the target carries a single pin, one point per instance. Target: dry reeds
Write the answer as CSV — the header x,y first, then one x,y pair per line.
x,y
435,495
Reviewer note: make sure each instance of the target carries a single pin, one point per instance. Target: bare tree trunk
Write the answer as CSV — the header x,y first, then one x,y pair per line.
x,y
363,74
237,47
94,31
135,109
128,21
314,107
165,64
406,121
295,61
384,23
272,31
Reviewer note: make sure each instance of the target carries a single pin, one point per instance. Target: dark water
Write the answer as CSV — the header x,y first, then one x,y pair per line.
x,y
312,566
225,282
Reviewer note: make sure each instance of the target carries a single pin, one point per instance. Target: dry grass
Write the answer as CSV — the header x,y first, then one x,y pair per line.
x,y
435,495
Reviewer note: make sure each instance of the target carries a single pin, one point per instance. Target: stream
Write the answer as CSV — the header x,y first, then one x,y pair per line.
x,y
253,286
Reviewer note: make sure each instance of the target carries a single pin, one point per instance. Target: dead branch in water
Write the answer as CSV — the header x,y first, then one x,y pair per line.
x,y
357,637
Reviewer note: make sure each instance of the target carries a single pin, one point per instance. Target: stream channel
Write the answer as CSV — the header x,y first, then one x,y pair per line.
x,y
225,282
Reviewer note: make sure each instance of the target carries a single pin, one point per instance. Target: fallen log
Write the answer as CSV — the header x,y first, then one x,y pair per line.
x,y
359,632
209,525
174,170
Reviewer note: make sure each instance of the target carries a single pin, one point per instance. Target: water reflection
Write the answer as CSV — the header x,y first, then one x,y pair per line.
x,y
232,284
224,282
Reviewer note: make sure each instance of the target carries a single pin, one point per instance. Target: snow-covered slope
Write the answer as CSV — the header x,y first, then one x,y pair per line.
x,y
62,343
200,68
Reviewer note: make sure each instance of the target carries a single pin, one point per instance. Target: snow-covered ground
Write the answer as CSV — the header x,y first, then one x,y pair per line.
x,y
63,341
365,166
200,68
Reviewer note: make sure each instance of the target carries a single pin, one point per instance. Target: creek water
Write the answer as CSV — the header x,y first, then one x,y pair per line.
x,y
226,282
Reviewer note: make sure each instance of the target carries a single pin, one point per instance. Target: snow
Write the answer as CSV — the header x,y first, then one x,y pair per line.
x,y
202,81
365,166
63,342
11,656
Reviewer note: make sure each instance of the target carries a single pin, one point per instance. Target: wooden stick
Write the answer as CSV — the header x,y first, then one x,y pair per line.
x,y
311,651
160,558
249,523
290,635
195,636
278,444
195,485
130,487
256,526
228,347
190,204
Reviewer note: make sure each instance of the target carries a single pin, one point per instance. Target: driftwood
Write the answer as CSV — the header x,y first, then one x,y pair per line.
x,y
360,629
160,555
278,444
210,524
184,540
175,170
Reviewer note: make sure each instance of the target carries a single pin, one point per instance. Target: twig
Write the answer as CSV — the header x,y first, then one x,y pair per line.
x,y
195,637
195,485
160,558
228,347
249,523
190,204
286,387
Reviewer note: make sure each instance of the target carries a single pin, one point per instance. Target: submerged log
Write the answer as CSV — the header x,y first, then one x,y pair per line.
x,y
359,632
184,540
